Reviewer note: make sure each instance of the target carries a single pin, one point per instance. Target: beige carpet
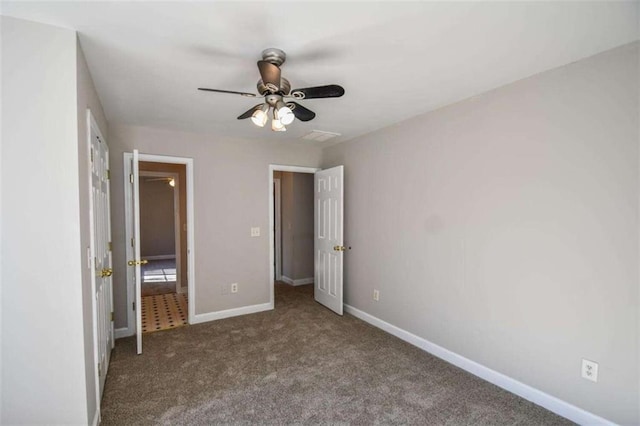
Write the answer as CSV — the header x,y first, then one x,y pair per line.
x,y
298,364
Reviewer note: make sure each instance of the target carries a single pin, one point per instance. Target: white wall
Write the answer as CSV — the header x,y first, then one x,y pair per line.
x,y
231,184
43,370
505,228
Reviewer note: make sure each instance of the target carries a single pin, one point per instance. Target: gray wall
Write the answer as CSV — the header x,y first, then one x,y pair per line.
x,y
286,194
157,220
87,98
43,347
505,228
231,195
297,225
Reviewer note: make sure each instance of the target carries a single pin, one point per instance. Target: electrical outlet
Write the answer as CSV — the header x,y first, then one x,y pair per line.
x,y
234,287
589,370
376,295
255,231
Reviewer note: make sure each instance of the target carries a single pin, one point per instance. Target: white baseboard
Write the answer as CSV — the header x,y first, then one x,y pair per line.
x,y
160,257
96,417
301,281
212,316
123,332
551,403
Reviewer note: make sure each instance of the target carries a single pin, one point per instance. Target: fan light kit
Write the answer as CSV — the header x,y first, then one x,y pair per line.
x,y
277,92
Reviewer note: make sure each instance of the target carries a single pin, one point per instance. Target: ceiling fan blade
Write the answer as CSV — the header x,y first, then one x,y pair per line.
x,y
249,95
270,75
301,113
329,91
249,113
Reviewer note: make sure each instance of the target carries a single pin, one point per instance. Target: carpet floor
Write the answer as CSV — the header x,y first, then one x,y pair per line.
x,y
298,364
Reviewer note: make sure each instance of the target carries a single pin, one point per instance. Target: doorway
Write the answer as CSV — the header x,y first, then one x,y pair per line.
x,y
281,215
162,187
327,233
160,242
293,228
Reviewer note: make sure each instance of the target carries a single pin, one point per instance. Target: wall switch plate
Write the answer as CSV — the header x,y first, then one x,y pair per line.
x,y
255,232
376,295
234,287
590,370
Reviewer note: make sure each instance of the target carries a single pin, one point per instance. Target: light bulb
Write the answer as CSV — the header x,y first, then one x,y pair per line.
x,y
284,113
277,126
259,116
172,182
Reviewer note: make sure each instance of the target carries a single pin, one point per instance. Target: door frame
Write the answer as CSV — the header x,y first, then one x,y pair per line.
x,y
279,168
176,220
92,125
191,279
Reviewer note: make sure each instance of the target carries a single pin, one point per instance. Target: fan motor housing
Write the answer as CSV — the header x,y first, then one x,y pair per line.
x,y
285,87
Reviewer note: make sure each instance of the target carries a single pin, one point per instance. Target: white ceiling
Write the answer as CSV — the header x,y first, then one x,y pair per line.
x,y
395,60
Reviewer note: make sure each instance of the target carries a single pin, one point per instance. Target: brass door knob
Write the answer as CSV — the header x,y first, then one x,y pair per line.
x,y
137,262
106,272
339,248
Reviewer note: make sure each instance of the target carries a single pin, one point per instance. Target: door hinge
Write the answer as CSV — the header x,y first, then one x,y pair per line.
x,y
99,370
110,246
131,177
92,155
133,241
134,306
108,174
111,316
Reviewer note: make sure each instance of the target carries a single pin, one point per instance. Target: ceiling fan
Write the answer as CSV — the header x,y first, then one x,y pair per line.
x,y
278,94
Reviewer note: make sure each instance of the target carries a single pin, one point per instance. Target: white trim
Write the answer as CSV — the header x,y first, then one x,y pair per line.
x,y
96,417
161,257
551,403
280,168
191,280
301,281
123,332
245,310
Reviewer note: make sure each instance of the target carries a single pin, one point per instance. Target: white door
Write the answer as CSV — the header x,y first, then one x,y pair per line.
x,y
329,248
134,261
101,251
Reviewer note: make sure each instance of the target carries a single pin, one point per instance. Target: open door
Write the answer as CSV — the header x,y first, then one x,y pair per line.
x,y
329,248
134,260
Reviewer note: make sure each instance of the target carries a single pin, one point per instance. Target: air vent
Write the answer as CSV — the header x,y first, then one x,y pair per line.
x,y
320,136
